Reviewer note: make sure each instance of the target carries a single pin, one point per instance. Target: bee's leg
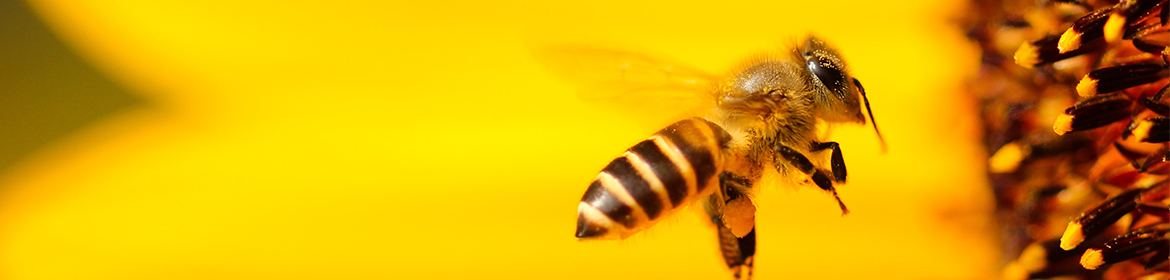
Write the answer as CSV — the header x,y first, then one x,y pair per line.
x,y
800,162
837,162
733,212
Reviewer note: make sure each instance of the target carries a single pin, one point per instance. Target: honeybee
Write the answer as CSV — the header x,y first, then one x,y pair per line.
x,y
763,117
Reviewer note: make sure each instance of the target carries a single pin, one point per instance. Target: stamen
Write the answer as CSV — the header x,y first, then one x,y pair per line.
x,y
1084,30
1110,79
1098,219
1092,113
1131,245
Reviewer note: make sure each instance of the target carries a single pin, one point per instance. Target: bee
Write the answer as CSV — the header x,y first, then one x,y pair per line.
x,y
764,117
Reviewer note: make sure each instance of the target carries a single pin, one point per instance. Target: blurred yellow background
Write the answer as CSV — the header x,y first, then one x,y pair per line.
x,y
372,140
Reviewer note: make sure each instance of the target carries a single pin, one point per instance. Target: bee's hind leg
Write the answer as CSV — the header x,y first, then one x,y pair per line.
x,y
733,214
801,162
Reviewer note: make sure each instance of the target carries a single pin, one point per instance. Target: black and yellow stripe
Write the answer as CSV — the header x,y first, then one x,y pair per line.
x,y
671,168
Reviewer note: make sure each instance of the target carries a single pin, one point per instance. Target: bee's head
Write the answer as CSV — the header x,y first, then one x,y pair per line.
x,y
837,94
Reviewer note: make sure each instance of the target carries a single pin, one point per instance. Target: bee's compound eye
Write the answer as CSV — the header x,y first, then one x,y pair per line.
x,y
827,73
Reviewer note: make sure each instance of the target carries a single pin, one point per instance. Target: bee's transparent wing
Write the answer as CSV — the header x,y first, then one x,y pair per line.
x,y
651,91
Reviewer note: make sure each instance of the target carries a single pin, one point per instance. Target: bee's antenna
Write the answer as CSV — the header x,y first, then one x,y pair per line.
x,y
870,111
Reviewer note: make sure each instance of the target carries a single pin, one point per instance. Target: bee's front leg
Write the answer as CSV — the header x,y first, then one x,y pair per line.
x,y
837,162
801,162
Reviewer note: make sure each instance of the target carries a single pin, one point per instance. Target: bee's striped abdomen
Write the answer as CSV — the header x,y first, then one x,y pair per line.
x,y
667,172
660,174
